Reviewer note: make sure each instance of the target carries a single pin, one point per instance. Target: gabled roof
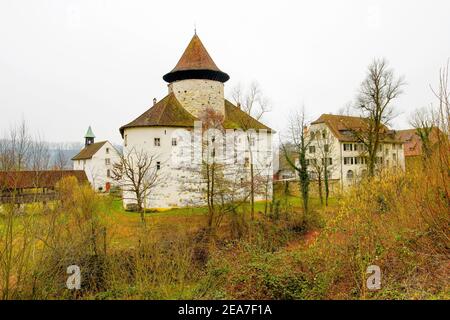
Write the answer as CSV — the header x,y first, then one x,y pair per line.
x,y
344,126
169,112
37,179
196,63
235,118
89,151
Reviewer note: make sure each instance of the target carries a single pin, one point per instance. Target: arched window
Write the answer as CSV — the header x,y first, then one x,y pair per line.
x,y
349,174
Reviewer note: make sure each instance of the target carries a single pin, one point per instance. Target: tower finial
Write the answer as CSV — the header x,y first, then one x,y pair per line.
x,y
195,28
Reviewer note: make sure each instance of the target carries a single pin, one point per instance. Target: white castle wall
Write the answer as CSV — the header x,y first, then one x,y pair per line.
x,y
180,179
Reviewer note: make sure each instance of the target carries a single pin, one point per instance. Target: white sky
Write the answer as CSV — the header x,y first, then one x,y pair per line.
x,y
65,64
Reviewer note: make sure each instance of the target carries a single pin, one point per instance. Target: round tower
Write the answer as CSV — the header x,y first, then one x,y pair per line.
x,y
196,81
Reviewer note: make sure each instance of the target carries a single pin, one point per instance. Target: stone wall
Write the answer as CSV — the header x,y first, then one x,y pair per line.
x,y
196,95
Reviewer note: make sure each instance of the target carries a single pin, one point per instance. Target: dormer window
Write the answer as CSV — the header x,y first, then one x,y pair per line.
x,y
107,150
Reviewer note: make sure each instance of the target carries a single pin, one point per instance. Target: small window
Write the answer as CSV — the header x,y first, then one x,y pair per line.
x,y
324,134
107,161
349,174
326,148
108,173
348,160
126,140
252,142
312,149
157,142
107,150
246,162
174,141
158,165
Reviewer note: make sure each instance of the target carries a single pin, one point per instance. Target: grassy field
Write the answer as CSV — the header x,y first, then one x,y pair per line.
x,y
398,223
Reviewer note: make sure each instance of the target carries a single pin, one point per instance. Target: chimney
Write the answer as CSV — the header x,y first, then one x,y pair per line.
x,y
154,101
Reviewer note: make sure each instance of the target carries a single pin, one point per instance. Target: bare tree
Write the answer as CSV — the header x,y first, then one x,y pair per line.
x,y
376,93
422,121
137,172
298,138
61,160
253,103
325,148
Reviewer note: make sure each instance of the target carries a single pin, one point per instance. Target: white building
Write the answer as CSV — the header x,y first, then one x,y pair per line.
x,y
171,130
97,159
332,137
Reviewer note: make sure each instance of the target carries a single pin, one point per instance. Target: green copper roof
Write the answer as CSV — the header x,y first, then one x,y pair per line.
x,y
89,133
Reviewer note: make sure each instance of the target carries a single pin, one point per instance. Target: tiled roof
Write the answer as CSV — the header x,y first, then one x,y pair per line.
x,y
195,57
89,151
168,112
196,63
37,179
235,118
344,126
412,142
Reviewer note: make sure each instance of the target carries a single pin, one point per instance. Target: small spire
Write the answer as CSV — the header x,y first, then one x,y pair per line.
x,y
195,28
89,133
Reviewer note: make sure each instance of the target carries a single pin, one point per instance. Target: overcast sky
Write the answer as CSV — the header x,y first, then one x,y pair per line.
x,y
65,65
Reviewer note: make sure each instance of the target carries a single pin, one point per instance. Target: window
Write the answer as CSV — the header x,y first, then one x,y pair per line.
x,y
326,148
126,140
348,160
174,141
108,173
107,161
312,149
349,174
157,142
252,142
324,134
158,165
348,147
394,156
246,162
327,161
107,150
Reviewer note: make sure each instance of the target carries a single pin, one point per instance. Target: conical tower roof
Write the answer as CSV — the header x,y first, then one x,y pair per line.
x,y
196,63
89,133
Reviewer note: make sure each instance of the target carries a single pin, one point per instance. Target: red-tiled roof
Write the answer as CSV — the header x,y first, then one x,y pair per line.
x,y
412,142
196,63
37,179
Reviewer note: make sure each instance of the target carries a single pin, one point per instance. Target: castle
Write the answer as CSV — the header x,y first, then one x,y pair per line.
x,y
171,133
